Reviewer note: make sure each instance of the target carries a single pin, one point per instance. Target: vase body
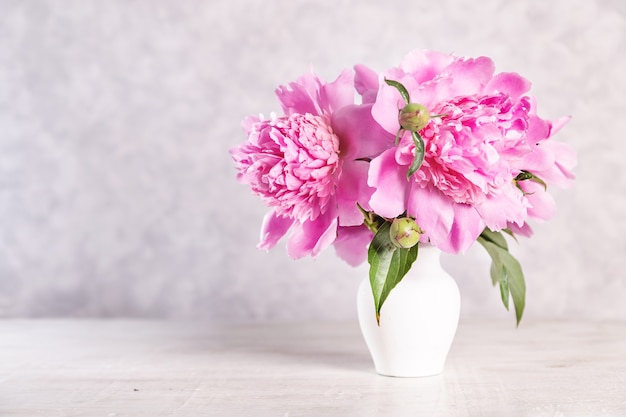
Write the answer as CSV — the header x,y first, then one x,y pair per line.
x,y
418,320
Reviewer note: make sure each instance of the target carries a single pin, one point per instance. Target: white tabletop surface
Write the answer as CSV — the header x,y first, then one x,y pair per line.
x,y
162,368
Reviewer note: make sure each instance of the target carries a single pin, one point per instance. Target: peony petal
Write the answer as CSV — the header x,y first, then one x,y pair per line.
x,y
466,228
359,134
432,211
273,228
310,95
352,243
338,94
424,65
538,130
509,83
297,98
565,162
385,109
248,121
352,188
469,75
499,209
366,83
542,204
552,162
559,123
433,93
312,236
523,230
389,180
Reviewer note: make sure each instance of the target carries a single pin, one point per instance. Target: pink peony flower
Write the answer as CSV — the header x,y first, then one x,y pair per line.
x,y
310,166
292,162
488,133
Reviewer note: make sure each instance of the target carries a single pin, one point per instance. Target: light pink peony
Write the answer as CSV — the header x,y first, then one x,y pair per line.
x,y
310,166
487,134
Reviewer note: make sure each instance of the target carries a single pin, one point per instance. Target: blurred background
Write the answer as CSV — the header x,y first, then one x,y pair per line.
x,y
118,197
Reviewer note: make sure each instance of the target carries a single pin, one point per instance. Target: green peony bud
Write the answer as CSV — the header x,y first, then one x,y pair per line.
x,y
413,117
404,232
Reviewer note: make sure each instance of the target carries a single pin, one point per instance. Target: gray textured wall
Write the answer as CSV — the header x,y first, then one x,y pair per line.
x,y
118,197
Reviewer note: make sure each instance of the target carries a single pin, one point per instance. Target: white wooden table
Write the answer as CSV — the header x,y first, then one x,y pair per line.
x,y
150,368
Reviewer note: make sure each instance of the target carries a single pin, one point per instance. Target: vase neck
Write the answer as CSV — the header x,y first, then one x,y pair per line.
x,y
429,251
428,259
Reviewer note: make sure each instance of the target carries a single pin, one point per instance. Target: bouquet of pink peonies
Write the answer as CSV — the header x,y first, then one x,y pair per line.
x,y
440,150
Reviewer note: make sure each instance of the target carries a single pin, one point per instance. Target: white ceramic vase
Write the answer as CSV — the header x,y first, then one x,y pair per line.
x,y
418,320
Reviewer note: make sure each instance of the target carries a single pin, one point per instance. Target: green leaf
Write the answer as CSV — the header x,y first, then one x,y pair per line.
x,y
401,88
495,276
388,265
510,233
494,237
507,272
504,289
419,154
517,288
